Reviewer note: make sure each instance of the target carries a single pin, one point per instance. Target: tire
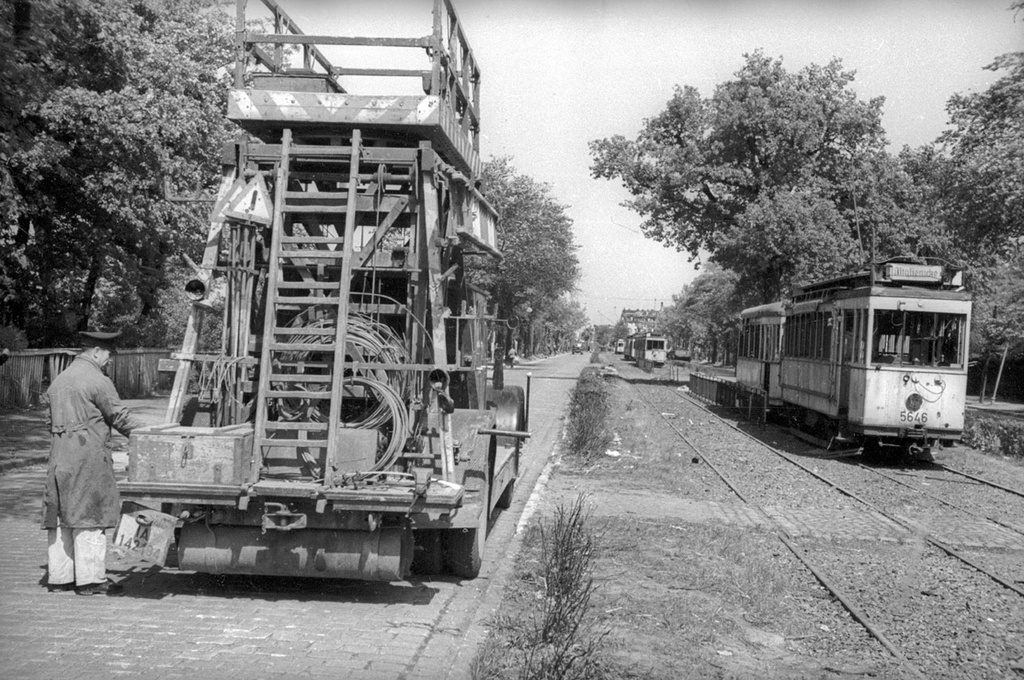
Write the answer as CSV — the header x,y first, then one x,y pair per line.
x,y
427,555
464,548
504,501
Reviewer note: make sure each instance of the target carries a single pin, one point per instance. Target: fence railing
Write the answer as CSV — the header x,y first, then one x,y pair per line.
x,y
723,392
25,375
713,389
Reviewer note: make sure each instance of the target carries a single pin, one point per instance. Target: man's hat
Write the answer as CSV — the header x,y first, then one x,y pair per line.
x,y
107,341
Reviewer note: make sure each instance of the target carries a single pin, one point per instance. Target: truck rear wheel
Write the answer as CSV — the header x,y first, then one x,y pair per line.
x,y
504,501
427,555
464,548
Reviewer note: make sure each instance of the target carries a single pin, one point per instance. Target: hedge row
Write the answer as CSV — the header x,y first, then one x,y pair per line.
x,y
588,433
1003,436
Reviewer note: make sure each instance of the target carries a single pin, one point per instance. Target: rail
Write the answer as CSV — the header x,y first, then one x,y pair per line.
x,y
452,74
22,378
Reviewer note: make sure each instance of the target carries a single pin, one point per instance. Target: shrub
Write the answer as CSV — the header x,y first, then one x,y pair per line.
x,y
12,338
588,432
1001,436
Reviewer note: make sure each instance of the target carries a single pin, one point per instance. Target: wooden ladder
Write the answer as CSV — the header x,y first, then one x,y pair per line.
x,y
284,379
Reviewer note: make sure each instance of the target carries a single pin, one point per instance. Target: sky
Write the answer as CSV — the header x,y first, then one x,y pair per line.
x,y
558,74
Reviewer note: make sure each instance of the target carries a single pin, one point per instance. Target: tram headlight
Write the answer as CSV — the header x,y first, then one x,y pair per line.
x,y
914,402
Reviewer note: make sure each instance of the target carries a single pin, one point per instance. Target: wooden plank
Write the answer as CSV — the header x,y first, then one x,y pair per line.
x,y
290,39
371,155
341,337
292,426
385,72
301,255
273,275
298,394
300,347
307,300
308,285
276,106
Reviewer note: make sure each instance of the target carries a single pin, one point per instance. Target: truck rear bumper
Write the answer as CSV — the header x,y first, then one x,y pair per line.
x,y
439,498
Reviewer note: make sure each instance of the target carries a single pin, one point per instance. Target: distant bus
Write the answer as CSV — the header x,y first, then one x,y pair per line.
x,y
620,346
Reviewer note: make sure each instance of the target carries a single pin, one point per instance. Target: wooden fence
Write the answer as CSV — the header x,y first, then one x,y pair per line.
x,y
27,373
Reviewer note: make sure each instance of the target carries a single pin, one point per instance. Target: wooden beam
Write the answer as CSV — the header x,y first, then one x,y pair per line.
x,y
288,39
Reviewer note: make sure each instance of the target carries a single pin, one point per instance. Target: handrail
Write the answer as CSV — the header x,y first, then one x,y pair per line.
x,y
453,75
310,53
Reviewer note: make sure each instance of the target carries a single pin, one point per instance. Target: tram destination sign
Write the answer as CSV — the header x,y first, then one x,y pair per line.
x,y
923,273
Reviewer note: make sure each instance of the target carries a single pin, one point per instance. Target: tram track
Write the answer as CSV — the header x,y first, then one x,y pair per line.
x,y
899,623
860,496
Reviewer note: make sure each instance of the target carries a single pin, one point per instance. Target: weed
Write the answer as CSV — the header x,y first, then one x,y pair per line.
x,y
555,640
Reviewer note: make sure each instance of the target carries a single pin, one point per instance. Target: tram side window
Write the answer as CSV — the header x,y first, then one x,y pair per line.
x,y
807,336
861,336
918,338
847,351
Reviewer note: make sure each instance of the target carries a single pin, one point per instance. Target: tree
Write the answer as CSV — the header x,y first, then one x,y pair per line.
x,y
704,316
539,262
979,176
554,325
104,100
985,198
773,175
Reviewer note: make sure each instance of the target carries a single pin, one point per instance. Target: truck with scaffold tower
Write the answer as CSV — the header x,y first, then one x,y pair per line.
x,y
345,425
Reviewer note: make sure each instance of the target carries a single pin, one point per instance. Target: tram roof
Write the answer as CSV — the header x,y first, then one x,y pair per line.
x,y
770,309
894,273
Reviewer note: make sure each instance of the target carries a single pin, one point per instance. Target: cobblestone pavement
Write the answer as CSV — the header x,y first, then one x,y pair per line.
x,y
24,440
170,624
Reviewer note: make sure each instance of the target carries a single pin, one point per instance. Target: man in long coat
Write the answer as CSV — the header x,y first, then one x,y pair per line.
x,y
80,500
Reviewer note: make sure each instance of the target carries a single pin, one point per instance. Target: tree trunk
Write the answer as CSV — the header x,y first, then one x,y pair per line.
x,y
984,380
999,374
89,292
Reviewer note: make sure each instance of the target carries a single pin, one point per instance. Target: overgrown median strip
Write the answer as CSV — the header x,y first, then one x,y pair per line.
x,y
607,588
545,628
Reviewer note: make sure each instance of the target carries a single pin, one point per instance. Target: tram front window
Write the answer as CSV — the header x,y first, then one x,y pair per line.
x,y
918,338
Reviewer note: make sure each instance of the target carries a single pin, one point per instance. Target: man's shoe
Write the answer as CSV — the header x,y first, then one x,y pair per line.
x,y
59,587
105,588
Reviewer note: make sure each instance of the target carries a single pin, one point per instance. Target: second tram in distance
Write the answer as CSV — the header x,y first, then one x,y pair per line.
x,y
646,347
878,357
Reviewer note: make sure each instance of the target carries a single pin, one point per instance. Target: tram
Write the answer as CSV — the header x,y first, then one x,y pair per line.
x,y
646,347
878,356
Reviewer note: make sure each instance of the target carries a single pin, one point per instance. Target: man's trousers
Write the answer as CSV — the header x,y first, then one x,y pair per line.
x,y
76,556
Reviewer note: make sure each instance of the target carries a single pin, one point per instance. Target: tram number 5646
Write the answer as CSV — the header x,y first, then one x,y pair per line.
x,y
913,417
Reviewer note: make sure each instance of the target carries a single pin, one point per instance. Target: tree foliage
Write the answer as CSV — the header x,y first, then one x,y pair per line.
x,y
782,177
539,263
553,325
981,196
535,237
703,317
102,100
985,184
